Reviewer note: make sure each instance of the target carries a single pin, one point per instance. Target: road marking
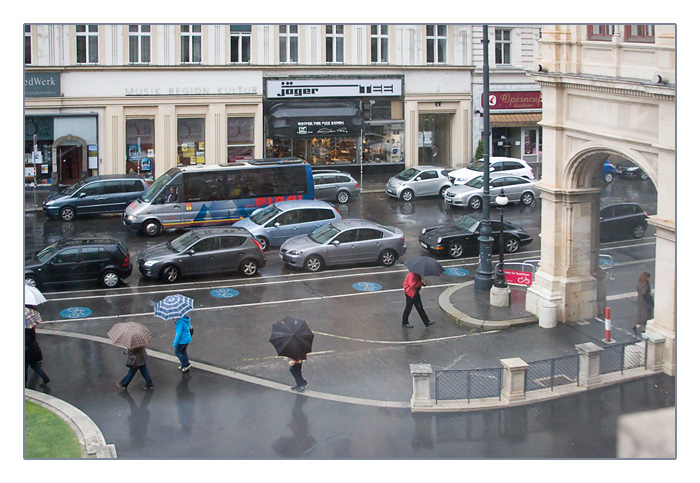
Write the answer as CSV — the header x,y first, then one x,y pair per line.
x,y
405,342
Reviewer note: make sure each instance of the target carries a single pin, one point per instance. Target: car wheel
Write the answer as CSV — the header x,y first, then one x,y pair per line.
x,y
527,198
151,228
638,231
110,279
387,258
608,177
249,268
264,243
170,274
342,197
643,176
511,245
313,264
474,203
67,213
407,195
442,191
455,249
31,281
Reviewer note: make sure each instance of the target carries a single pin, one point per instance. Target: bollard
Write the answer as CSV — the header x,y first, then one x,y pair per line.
x,y
607,325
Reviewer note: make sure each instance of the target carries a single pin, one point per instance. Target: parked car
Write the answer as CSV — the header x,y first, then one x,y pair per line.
x,y
500,165
104,260
418,181
344,242
627,169
278,222
622,220
335,185
515,188
462,236
607,172
202,251
110,193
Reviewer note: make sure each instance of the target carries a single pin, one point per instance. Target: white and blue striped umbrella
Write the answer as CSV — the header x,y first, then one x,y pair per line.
x,y
173,307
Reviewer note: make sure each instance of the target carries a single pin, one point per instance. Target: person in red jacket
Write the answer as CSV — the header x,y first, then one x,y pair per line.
x,y
411,287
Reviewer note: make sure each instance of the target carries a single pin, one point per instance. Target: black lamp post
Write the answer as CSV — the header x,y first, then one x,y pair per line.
x,y
500,282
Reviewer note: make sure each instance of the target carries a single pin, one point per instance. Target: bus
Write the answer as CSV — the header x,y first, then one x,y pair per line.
x,y
205,195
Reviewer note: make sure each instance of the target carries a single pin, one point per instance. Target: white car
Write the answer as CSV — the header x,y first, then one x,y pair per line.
x,y
499,165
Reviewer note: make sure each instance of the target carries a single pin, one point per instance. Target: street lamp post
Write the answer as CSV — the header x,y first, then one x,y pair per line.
x,y
500,292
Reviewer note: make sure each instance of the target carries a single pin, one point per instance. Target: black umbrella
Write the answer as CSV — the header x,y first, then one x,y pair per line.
x,y
291,338
424,266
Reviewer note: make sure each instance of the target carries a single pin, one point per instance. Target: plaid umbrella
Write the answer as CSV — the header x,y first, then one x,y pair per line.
x,y
291,338
173,307
130,335
31,318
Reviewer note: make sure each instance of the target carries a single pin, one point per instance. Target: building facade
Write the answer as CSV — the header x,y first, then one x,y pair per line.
x,y
103,99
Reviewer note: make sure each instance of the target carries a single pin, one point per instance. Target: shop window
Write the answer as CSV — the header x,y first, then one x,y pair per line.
x,y
502,47
191,44
240,141
639,33
140,148
27,44
383,142
436,44
190,141
87,44
379,44
602,32
289,43
139,44
240,43
335,42
434,139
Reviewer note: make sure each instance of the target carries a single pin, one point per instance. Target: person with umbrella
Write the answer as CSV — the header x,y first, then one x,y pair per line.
x,y
134,337
419,267
176,307
32,352
292,338
136,361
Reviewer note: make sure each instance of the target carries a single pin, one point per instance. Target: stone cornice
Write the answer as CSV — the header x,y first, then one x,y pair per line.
x,y
614,86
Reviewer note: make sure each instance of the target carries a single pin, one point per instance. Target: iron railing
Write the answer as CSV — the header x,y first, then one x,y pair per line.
x,y
550,373
468,384
619,357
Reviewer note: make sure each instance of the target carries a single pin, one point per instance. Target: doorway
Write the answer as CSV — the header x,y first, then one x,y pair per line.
x,y
70,161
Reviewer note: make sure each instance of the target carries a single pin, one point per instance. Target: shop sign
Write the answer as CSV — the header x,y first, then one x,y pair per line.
x,y
42,84
312,88
514,100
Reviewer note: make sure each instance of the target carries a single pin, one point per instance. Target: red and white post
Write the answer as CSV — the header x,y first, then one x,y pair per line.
x,y
607,325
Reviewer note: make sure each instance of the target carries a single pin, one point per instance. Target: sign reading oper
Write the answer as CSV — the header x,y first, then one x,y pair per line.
x,y
310,88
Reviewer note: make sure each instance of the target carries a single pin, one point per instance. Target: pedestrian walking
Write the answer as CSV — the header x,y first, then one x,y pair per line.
x,y
295,369
183,336
33,356
645,303
136,362
411,287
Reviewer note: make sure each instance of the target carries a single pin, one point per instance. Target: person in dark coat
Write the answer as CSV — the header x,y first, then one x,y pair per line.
x,y
295,369
645,303
33,356
411,287
136,361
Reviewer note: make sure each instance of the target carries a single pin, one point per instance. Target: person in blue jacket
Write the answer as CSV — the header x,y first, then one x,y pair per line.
x,y
183,337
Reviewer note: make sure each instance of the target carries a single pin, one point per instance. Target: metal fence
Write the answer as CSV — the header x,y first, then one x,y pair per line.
x,y
553,372
618,357
468,384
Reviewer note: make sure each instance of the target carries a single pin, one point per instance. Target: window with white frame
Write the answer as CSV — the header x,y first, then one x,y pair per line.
x,y
87,44
502,45
139,44
379,44
191,44
27,44
240,44
335,41
289,43
436,44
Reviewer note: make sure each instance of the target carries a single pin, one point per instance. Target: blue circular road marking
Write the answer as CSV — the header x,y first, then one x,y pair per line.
x,y
366,286
456,272
75,312
224,293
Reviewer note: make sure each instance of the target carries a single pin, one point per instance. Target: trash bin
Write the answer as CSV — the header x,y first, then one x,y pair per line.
x,y
547,314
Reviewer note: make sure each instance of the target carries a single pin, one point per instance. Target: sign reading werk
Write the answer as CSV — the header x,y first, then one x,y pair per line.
x,y
42,84
309,88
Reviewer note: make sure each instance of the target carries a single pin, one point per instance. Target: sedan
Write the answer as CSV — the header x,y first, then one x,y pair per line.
x,y
515,188
203,251
454,240
627,169
344,242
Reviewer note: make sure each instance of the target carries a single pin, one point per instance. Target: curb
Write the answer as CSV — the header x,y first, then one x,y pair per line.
x,y
89,436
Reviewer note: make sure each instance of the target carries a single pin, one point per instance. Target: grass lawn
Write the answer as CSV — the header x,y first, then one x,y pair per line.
x,y
47,435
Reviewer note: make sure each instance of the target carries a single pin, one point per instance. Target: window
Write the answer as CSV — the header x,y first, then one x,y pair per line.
x,y
133,185
240,44
600,32
191,44
93,254
335,37
27,44
289,43
205,245
639,33
368,234
347,236
240,142
429,175
93,189
502,47
87,44
112,187
140,148
229,242
69,255
379,43
190,141
436,44
139,44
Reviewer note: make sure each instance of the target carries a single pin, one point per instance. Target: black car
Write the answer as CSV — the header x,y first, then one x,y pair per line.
x,y
69,260
454,240
627,169
622,220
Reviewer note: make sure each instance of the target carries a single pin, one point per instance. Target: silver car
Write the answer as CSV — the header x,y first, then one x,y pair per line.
x,y
497,165
470,195
333,185
418,181
344,242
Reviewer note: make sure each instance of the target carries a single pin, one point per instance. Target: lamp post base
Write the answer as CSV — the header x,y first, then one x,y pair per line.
x,y
500,297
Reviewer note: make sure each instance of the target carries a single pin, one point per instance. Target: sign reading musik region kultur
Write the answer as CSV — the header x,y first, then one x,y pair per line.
x,y
309,88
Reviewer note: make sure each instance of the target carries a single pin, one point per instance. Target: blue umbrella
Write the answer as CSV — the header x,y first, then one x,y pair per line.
x,y
173,307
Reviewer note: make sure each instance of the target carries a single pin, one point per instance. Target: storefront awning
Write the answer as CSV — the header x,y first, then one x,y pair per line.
x,y
515,120
314,119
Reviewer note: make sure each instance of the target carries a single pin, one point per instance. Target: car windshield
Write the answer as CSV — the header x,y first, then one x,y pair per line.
x,y
183,241
156,187
323,234
73,188
407,174
264,215
477,165
477,182
47,252
467,223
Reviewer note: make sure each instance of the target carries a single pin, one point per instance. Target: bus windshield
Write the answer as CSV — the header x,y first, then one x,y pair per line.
x,y
156,187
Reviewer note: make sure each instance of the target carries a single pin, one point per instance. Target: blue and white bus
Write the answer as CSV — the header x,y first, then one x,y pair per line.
x,y
204,195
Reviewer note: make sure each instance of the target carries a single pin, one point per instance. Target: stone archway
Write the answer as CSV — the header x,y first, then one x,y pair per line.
x,y
73,148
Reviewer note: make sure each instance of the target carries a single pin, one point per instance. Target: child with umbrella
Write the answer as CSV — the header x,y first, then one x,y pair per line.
x,y
292,338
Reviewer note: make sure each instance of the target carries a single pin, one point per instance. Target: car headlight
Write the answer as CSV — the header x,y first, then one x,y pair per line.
x,y
150,263
422,232
130,217
49,202
295,252
439,240
460,180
